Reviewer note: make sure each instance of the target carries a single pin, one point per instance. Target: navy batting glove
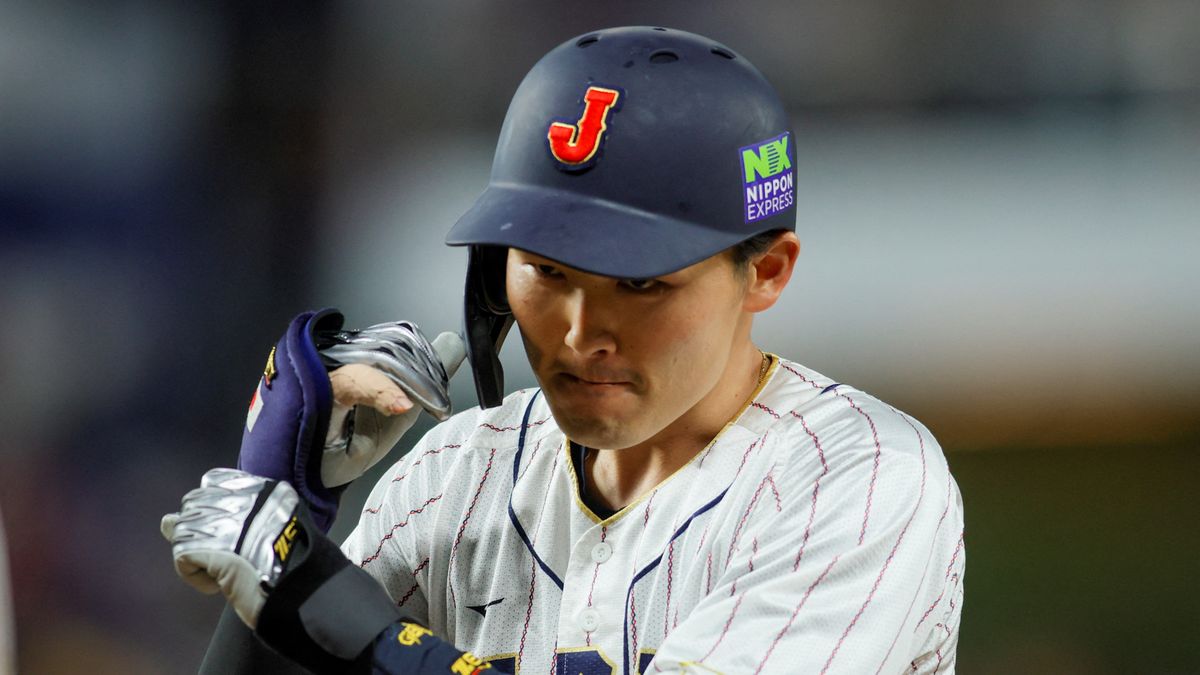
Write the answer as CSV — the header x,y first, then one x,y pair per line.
x,y
289,416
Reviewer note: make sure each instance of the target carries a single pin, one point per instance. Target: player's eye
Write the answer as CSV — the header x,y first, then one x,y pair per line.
x,y
641,284
547,270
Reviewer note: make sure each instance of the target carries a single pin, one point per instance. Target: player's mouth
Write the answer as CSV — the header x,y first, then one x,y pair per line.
x,y
584,381
583,384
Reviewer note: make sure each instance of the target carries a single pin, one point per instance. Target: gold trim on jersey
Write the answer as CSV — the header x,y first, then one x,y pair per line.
x,y
688,665
763,379
599,652
507,655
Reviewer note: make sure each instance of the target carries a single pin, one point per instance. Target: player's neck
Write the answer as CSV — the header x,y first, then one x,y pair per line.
x,y
619,477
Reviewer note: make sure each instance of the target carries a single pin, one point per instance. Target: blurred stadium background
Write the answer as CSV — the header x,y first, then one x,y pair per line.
x,y
999,205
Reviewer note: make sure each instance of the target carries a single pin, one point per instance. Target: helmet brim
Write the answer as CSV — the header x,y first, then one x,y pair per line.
x,y
586,233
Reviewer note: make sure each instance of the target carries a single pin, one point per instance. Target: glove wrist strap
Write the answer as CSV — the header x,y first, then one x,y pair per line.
x,y
324,613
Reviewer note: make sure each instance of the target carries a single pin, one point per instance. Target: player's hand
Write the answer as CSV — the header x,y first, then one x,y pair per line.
x,y
220,542
254,540
392,373
319,433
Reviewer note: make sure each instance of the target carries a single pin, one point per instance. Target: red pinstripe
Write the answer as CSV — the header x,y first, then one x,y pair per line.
x,y
886,563
374,556
537,446
425,454
493,427
737,531
646,515
529,610
949,567
667,606
703,535
936,530
415,572
749,565
875,467
775,491
725,630
533,567
797,373
812,513
397,479
633,620
746,455
765,409
463,527
795,612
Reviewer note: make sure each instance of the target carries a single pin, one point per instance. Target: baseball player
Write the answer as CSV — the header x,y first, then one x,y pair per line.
x,y
671,498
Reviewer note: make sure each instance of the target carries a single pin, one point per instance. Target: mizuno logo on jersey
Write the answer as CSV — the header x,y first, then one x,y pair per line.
x,y
575,144
482,609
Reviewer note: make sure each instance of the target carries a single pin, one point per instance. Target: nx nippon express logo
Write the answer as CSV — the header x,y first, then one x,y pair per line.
x,y
769,178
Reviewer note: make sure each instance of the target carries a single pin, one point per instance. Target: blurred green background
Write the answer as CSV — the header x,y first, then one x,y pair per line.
x,y
1081,560
999,209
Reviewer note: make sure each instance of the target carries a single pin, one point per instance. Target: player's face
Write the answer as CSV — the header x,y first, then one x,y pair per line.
x,y
619,360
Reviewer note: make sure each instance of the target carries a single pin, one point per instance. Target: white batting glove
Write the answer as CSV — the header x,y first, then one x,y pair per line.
x,y
218,546
391,372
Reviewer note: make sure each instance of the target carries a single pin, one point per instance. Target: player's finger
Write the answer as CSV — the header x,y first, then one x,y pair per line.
x,y
167,526
450,350
193,569
360,384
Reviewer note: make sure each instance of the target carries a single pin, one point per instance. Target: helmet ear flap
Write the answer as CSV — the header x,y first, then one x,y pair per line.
x,y
486,320
493,262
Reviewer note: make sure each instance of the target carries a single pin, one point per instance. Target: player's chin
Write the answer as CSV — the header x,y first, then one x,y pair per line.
x,y
601,433
601,417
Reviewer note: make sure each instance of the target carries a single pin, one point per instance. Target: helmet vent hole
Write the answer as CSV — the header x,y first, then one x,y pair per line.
x,y
664,56
587,41
658,28
723,53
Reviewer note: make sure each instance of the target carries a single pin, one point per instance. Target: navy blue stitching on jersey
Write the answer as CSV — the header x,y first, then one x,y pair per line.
x,y
654,563
512,515
830,387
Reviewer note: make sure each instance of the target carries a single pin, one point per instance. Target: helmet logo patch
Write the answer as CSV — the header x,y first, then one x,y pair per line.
x,y
575,144
769,180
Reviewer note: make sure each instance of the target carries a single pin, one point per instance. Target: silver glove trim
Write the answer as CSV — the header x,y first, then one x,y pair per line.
x,y
402,352
213,516
268,526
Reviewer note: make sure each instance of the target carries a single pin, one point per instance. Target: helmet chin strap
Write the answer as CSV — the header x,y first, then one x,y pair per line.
x,y
486,321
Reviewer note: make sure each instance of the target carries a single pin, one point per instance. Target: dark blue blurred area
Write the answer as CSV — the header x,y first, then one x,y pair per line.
x,y
155,237
178,180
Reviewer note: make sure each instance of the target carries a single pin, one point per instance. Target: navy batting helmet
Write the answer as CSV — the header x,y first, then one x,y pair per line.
x,y
628,152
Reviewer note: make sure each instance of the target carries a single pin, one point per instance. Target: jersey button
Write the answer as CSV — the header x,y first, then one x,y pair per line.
x,y
601,552
589,620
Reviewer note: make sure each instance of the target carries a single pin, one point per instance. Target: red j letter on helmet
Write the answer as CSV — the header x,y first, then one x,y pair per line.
x,y
577,143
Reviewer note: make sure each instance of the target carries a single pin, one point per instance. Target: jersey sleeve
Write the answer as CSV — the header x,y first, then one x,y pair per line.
x,y
856,571
391,540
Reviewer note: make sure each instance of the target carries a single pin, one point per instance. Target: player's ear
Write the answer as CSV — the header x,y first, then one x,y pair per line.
x,y
769,272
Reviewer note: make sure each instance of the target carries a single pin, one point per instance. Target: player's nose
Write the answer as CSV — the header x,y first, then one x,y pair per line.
x,y
589,324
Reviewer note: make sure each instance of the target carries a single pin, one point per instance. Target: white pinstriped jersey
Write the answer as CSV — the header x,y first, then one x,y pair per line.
x,y
820,531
